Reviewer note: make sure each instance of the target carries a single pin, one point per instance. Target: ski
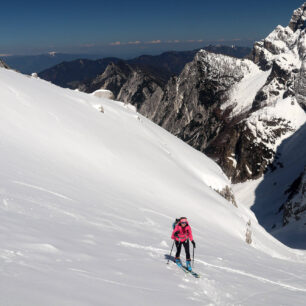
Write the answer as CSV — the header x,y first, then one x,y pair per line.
x,y
196,275
179,264
184,268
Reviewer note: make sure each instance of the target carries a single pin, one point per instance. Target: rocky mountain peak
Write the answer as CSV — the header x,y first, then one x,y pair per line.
x,y
284,52
283,44
119,67
298,18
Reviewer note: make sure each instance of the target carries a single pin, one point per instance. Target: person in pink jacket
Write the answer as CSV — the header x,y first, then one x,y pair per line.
x,y
182,234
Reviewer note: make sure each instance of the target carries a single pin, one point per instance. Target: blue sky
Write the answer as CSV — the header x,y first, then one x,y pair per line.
x,y
124,28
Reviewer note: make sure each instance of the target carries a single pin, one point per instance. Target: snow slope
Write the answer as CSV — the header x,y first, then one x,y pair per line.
x,y
244,92
87,200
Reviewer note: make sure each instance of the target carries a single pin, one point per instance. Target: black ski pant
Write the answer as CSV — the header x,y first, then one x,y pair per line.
x,y
179,247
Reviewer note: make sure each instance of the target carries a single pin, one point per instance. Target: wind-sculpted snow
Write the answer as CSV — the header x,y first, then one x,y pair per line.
x,y
87,200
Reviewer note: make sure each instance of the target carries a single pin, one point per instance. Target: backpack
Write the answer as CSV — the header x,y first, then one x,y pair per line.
x,y
177,220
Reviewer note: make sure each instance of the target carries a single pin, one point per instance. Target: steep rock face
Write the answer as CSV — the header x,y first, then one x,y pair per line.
x,y
199,108
113,78
203,108
143,91
190,108
130,85
295,206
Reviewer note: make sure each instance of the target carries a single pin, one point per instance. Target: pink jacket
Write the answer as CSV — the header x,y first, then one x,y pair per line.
x,y
181,233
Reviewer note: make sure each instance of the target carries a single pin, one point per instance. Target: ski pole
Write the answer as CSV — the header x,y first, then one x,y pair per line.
x,y
170,252
193,257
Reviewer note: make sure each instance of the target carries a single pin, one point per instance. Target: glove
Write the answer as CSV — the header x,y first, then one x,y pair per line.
x,y
193,243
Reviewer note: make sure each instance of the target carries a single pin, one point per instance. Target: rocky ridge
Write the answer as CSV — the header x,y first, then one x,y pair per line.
x,y
284,51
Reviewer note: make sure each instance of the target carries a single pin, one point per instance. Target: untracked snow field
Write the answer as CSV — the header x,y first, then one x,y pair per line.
x,y
87,201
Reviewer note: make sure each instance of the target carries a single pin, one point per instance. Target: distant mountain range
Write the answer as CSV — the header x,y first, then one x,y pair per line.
x,y
35,63
74,73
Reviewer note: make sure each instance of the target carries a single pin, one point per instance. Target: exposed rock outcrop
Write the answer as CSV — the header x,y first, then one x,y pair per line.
x,y
130,85
295,206
298,18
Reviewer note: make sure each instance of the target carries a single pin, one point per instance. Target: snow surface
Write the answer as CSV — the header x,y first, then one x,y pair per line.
x,y
87,200
244,92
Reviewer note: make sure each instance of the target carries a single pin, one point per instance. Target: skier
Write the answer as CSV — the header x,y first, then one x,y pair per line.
x,y
182,234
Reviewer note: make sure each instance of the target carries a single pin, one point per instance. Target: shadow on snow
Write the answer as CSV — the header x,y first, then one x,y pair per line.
x,y
289,162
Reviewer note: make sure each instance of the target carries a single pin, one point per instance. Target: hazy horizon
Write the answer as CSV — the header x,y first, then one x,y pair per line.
x,y
128,29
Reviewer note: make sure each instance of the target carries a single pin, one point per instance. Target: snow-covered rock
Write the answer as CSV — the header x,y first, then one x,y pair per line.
x,y
103,93
284,50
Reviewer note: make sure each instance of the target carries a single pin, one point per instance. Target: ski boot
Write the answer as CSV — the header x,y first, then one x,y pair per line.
x,y
178,262
188,265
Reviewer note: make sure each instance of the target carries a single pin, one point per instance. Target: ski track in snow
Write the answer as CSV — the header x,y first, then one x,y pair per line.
x,y
157,213
259,278
227,269
44,190
137,246
263,292
90,276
